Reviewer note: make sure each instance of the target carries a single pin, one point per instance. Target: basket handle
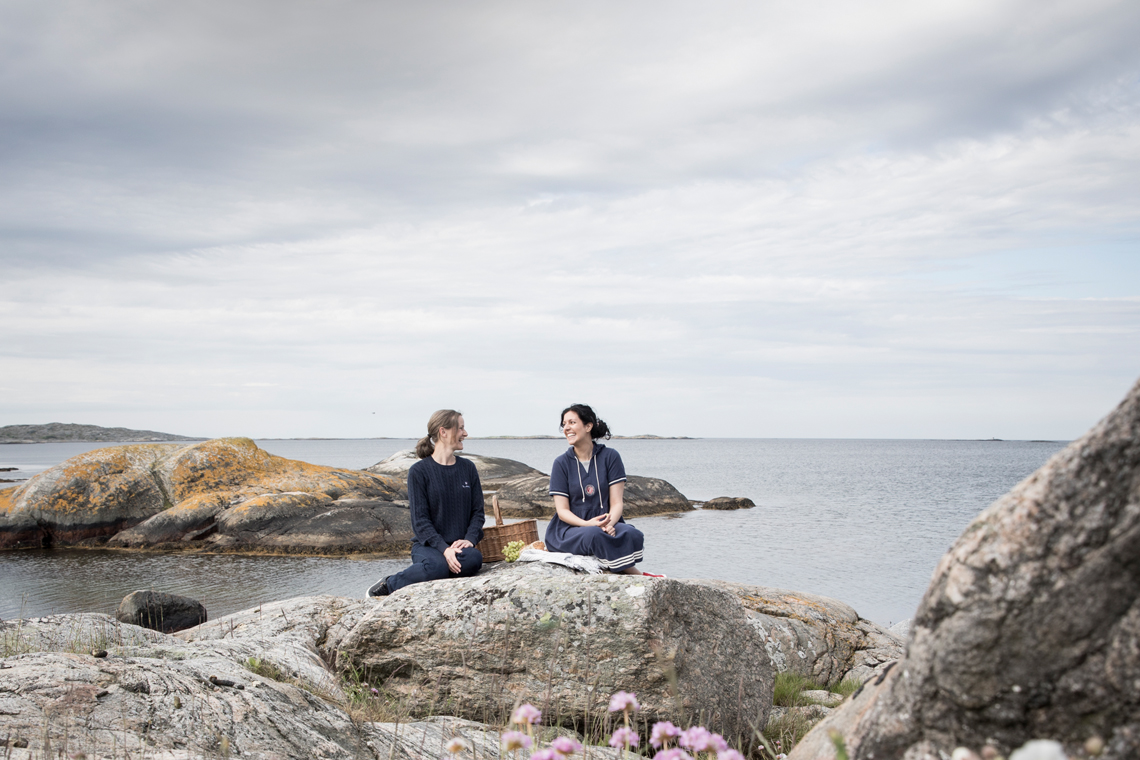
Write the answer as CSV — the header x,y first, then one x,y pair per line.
x,y
495,506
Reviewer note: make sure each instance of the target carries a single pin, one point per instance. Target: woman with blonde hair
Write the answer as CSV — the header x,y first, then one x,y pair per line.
x,y
446,502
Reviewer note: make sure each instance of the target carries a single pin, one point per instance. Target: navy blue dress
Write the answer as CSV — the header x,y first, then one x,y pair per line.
x,y
588,492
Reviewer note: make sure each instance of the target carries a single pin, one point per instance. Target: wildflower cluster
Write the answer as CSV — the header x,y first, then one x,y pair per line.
x,y
670,742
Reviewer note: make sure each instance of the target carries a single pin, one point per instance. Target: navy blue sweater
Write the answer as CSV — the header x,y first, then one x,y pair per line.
x,y
446,502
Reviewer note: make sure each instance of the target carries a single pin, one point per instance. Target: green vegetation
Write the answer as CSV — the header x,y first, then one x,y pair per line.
x,y
266,669
82,638
846,687
791,723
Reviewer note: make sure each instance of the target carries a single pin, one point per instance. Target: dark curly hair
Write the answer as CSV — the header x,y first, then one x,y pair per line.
x,y
586,414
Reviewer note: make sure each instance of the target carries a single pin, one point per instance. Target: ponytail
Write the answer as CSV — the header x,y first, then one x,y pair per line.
x,y
444,418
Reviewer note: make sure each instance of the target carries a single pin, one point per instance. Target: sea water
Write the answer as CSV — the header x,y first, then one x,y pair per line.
x,y
863,521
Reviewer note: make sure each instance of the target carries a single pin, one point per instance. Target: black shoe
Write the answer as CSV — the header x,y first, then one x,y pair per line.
x,y
379,588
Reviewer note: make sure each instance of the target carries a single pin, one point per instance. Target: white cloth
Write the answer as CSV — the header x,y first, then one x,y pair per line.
x,y
573,561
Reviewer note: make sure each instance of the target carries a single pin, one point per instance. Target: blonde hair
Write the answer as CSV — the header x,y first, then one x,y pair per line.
x,y
444,418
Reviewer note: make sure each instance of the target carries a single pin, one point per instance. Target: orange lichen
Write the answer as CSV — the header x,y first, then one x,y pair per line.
x,y
125,485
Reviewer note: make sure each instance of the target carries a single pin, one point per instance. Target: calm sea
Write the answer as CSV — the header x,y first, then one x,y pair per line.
x,y
863,521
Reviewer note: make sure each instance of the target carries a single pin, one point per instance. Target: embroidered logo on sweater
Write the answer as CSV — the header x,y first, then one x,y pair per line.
x,y
465,485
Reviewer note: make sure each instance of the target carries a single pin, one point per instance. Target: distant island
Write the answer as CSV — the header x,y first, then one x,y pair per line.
x,y
55,432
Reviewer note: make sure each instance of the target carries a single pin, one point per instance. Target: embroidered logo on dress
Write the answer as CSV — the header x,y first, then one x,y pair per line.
x,y
589,490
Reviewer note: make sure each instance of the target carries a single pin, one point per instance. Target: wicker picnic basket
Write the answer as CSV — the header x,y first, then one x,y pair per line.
x,y
496,539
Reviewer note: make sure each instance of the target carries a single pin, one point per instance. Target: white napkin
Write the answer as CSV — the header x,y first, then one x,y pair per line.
x,y
573,561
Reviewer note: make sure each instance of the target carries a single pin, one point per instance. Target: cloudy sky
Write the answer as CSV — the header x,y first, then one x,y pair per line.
x,y
792,219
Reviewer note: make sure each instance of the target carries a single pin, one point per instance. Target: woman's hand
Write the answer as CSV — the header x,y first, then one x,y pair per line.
x,y
449,553
601,521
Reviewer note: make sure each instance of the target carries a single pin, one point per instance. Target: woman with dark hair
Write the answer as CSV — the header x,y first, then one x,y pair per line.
x,y
588,486
446,501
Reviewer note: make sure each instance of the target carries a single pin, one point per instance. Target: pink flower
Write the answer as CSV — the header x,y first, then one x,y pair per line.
x,y
672,754
624,737
457,744
623,700
513,740
696,738
663,732
526,713
545,754
564,745
730,754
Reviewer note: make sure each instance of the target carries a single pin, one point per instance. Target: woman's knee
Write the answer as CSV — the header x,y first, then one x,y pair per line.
x,y
435,567
471,560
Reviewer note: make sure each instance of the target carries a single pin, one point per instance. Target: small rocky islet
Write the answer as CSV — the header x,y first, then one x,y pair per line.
x,y
228,495
1029,631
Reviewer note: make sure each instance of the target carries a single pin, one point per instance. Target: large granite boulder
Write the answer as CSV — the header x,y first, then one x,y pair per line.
x,y
161,612
87,685
221,494
816,637
1031,626
565,642
524,492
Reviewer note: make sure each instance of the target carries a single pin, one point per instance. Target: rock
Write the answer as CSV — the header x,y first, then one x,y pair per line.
x,y
565,642
729,502
652,496
816,637
160,612
191,696
207,495
528,496
822,696
1030,628
490,468
901,629
524,492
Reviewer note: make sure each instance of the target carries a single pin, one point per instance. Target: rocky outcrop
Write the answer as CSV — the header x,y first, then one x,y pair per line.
x,y
257,684
161,612
79,685
524,492
225,494
474,647
819,638
491,469
1030,628
729,502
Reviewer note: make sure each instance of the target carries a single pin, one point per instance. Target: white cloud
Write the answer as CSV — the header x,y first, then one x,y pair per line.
x,y
813,219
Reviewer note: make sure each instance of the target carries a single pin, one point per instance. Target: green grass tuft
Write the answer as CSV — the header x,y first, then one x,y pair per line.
x,y
266,669
846,687
789,688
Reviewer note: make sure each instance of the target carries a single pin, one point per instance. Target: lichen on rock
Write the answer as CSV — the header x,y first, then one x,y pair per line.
x,y
225,494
